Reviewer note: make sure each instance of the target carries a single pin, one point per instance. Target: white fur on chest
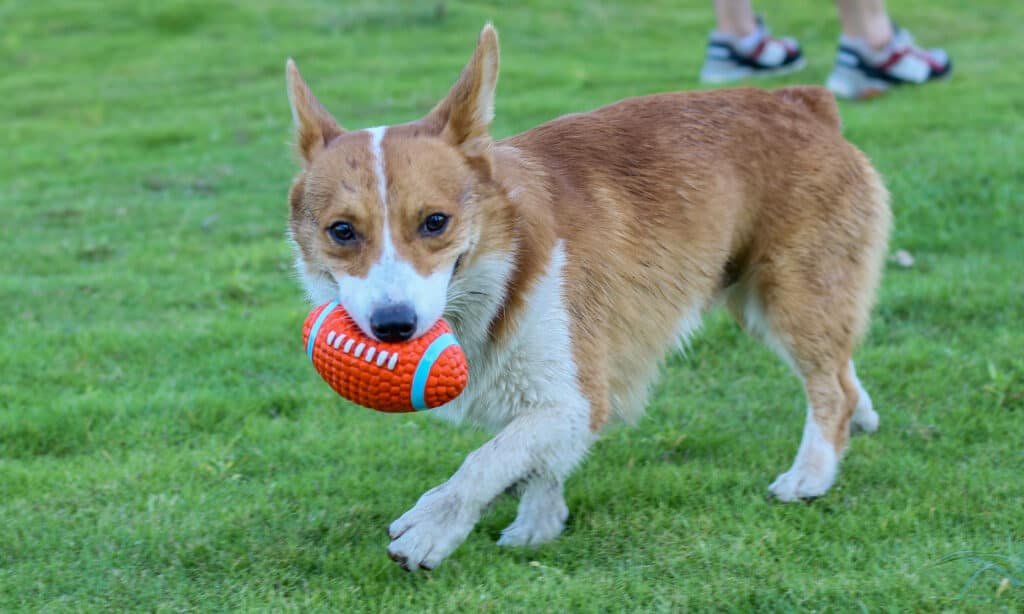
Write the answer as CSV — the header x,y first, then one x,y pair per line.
x,y
533,366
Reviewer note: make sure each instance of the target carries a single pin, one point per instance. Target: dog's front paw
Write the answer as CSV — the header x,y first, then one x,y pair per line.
x,y
425,535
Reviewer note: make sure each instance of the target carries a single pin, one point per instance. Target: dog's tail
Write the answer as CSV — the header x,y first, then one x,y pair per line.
x,y
818,100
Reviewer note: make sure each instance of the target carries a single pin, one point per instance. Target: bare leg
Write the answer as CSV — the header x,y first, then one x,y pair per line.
x,y
741,46
735,17
866,20
874,55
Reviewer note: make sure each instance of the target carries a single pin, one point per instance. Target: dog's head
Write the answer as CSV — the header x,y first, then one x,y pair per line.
x,y
383,218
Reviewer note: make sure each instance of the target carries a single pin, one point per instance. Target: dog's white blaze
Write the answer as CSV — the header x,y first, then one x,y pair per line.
x,y
377,152
377,149
391,279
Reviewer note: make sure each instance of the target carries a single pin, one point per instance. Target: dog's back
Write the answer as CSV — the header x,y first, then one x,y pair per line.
x,y
665,201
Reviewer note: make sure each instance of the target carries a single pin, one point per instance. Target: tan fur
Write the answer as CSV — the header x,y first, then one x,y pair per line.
x,y
666,204
662,199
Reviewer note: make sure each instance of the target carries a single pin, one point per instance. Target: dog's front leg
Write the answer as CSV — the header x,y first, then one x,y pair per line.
x,y
543,444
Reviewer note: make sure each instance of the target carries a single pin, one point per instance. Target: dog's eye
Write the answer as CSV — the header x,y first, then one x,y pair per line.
x,y
434,224
342,232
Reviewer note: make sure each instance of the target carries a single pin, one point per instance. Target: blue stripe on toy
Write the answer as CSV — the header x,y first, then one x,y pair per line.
x,y
419,379
313,332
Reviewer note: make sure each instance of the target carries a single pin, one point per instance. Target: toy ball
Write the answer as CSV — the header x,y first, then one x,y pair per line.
x,y
414,375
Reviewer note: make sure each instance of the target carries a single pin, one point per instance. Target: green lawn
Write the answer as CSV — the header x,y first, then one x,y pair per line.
x,y
164,445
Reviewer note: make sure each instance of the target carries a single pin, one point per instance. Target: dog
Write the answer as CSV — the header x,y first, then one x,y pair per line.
x,y
571,258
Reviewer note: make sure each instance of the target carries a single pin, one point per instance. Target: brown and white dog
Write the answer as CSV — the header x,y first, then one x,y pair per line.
x,y
570,258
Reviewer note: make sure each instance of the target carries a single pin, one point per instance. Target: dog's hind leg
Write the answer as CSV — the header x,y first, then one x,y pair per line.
x,y
809,302
807,342
806,290
826,432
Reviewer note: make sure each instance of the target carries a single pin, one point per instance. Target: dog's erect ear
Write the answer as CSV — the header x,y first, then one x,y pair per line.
x,y
465,115
314,126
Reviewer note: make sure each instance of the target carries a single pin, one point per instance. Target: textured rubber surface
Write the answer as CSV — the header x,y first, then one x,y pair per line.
x,y
391,377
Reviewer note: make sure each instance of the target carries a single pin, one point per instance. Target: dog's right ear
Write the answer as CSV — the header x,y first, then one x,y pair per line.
x,y
464,116
314,126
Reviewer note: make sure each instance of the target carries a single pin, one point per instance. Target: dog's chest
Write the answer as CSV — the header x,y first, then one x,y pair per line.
x,y
531,368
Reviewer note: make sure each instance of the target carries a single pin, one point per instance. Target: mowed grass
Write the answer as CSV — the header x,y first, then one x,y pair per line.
x,y
164,444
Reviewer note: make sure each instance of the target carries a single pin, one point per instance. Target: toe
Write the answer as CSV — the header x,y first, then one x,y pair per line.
x,y
784,488
430,562
865,422
399,558
398,527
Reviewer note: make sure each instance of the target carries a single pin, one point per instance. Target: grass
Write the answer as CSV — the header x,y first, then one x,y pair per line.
x,y
165,446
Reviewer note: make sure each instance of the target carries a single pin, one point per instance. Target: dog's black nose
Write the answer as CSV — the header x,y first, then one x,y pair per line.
x,y
393,323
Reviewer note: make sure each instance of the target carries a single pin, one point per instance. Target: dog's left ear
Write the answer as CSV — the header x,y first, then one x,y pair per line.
x,y
464,116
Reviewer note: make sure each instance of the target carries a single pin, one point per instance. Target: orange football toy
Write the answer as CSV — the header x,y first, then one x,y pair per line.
x,y
391,377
